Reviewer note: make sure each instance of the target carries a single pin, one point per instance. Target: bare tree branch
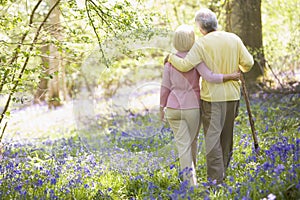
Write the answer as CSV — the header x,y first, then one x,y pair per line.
x,y
16,83
33,12
274,74
3,130
98,37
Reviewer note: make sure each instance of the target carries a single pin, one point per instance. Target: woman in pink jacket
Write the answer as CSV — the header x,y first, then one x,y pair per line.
x,y
180,99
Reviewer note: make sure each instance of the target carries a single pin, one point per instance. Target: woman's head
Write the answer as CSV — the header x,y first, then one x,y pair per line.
x,y
184,38
206,20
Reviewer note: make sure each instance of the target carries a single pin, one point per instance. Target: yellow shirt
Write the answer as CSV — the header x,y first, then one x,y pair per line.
x,y
223,53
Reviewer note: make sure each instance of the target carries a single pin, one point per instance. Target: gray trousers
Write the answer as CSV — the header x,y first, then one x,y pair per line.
x,y
185,125
218,122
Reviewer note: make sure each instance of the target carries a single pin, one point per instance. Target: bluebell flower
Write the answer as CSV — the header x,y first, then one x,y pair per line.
x,y
18,188
53,181
172,166
151,198
238,189
298,185
184,185
214,182
67,191
39,183
230,189
206,198
138,177
86,170
266,166
151,186
48,172
279,169
139,123
263,180
267,128
251,178
78,180
17,172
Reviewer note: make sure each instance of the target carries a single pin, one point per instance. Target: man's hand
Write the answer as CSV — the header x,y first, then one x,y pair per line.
x,y
166,59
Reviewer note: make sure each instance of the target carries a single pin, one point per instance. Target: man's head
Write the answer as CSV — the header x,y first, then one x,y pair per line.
x,y
206,20
184,38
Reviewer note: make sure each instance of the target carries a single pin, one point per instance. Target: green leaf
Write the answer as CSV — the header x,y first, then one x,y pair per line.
x,y
7,114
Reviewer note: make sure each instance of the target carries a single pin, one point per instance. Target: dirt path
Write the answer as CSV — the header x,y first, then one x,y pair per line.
x,y
39,122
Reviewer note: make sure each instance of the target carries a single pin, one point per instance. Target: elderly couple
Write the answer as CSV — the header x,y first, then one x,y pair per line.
x,y
217,57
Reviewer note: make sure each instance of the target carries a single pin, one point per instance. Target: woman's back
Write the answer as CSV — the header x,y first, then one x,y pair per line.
x,y
180,89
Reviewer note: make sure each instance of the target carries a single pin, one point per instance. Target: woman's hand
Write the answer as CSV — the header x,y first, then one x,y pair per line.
x,y
162,114
236,76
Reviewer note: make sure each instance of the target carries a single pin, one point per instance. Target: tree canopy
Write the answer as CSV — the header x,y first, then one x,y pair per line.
x,y
42,41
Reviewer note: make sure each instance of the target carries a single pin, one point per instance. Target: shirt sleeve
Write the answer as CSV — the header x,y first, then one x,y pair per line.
x,y
193,58
208,75
165,87
245,60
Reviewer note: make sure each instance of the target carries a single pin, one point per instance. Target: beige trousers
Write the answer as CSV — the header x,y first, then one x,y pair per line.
x,y
185,125
218,122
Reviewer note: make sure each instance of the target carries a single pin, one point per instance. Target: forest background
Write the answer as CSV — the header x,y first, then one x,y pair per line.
x,y
70,67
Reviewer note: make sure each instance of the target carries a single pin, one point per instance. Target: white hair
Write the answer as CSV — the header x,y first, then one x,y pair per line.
x,y
184,38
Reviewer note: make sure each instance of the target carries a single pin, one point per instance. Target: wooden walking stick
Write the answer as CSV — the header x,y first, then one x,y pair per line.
x,y
246,97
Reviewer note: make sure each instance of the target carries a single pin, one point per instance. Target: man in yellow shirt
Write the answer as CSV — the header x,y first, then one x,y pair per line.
x,y
223,53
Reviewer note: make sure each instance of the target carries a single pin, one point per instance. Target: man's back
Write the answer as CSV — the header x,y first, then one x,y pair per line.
x,y
219,51
223,52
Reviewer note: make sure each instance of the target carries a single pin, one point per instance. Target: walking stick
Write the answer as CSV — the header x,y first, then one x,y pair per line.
x,y
246,97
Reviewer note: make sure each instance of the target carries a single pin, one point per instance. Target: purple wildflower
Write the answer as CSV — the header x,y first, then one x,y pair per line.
x,y
53,181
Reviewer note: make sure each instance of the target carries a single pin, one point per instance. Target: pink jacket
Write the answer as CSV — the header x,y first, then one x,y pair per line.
x,y
180,90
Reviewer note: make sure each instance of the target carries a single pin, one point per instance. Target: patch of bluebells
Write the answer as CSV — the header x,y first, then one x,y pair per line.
x,y
56,168
183,192
48,175
277,168
22,171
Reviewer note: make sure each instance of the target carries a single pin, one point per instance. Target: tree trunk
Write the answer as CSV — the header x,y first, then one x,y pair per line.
x,y
55,62
40,95
243,17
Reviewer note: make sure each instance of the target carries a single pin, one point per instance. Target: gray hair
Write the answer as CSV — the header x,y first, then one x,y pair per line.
x,y
206,19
